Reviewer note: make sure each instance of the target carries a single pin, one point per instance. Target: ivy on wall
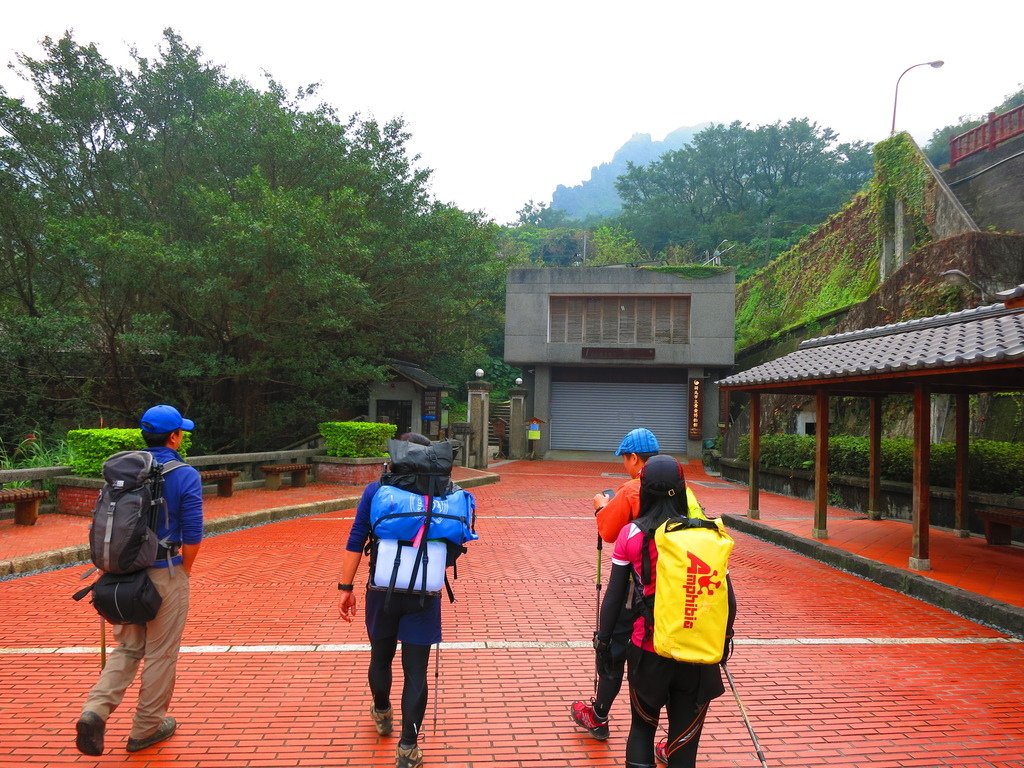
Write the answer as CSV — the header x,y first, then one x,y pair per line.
x,y
901,173
834,267
837,266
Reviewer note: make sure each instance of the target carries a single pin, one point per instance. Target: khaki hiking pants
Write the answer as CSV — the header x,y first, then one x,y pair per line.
x,y
155,643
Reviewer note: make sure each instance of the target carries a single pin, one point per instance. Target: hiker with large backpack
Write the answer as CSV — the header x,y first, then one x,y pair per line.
x,y
157,485
412,523
677,566
614,511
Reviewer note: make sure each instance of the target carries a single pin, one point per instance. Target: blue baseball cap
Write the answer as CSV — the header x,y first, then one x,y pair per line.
x,y
161,419
639,440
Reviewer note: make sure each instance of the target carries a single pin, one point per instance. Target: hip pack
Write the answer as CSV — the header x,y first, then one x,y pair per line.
x,y
690,612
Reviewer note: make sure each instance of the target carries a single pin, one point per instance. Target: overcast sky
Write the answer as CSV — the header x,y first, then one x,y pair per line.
x,y
506,100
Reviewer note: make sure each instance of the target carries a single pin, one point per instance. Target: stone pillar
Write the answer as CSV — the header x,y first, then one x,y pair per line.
x,y
903,235
479,419
542,407
517,447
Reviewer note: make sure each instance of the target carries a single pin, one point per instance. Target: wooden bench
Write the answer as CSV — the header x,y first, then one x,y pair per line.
x,y
274,472
999,523
224,478
26,503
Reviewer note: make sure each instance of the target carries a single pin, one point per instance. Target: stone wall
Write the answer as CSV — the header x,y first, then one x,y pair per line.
x,y
989,184
348,471
77,496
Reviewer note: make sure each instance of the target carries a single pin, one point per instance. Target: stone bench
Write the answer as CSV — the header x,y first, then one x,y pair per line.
x,y
274,472
999,523
224,478
26,503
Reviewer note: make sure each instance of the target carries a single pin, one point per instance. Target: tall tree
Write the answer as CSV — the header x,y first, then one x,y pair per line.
x,y
731,180
169,232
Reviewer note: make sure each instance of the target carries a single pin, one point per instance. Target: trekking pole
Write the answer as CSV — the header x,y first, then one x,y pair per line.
x,y
103,643
743,711
437,691
597,611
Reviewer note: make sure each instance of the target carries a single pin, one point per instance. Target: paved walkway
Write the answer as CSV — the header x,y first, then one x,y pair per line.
x,y
833,670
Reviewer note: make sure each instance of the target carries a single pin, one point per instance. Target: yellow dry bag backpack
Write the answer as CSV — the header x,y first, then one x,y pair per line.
x,y
691,601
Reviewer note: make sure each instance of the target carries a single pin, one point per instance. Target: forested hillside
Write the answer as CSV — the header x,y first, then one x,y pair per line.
x,y
169,233
745,194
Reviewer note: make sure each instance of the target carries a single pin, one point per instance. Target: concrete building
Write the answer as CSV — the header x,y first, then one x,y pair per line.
x,y
607,349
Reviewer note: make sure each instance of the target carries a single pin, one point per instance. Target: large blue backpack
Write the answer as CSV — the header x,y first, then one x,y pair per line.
x,y
420,521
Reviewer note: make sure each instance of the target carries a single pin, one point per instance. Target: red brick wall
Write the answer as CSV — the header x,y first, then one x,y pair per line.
x,y
347,474
76,501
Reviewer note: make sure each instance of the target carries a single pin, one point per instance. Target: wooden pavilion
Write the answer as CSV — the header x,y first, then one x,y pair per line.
x,y
963,353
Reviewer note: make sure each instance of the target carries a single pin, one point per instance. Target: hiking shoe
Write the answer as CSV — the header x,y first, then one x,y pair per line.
x,y
584,716
409,757
163,731
90,729
382,719
661,751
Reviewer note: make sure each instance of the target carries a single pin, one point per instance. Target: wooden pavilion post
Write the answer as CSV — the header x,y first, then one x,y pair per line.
x,y
820,530
754,511
875,458
920,505
963,449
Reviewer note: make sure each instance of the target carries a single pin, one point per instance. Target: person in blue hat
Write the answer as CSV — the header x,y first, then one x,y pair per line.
x,y
157,643
614,512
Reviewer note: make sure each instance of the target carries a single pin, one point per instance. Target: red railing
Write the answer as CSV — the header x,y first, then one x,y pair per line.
x,y
997,129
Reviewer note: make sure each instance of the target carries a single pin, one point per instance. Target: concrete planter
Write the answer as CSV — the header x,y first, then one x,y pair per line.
x,y
345,471
852,493
77,495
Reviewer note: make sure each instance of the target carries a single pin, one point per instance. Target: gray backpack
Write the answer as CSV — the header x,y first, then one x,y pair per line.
x,y
122,538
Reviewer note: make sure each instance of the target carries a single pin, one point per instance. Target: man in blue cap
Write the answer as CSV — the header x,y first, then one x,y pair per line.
x,y
157,642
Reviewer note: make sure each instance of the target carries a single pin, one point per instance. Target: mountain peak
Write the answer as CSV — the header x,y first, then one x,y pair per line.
x,y
597,196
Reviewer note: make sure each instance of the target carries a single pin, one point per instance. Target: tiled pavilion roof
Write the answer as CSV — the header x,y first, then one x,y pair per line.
x,y
974,350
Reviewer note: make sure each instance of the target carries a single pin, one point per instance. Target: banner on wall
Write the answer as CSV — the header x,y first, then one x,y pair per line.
x,y
696,408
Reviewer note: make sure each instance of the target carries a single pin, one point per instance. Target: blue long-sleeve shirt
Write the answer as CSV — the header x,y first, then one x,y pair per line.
x,y
361,525
183,491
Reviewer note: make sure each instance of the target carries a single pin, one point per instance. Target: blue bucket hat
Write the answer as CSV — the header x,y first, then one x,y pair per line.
x,y
639,440
161,419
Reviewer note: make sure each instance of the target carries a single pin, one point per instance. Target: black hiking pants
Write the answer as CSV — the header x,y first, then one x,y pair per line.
x,y
414,686
681,688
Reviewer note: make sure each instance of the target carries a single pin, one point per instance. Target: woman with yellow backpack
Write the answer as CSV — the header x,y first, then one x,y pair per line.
x,y
678,566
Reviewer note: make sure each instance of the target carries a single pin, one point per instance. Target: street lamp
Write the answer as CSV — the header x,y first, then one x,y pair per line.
x,y
955,276
479,373
934,64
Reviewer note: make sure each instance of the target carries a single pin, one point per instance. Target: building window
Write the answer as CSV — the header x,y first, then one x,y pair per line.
x,y
619,319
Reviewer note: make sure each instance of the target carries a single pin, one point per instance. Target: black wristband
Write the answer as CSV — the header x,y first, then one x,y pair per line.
x,y
344,587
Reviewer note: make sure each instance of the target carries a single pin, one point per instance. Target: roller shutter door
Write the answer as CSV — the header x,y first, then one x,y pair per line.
x,y
594,416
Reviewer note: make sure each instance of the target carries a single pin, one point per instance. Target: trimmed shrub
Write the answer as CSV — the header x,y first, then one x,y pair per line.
x,y
91,447
994,466
789,451
356,439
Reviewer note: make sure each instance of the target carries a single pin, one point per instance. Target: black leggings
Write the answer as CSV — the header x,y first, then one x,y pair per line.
x,y
414,686
656,682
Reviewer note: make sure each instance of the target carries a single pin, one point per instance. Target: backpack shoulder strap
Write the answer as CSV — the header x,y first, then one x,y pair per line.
x,y
171,465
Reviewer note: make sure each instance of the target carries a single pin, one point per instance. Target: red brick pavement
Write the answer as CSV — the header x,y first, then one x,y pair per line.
x,y
834,671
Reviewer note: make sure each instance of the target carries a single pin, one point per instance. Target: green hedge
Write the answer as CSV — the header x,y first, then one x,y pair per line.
x,y
356,439
995,467
91,447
